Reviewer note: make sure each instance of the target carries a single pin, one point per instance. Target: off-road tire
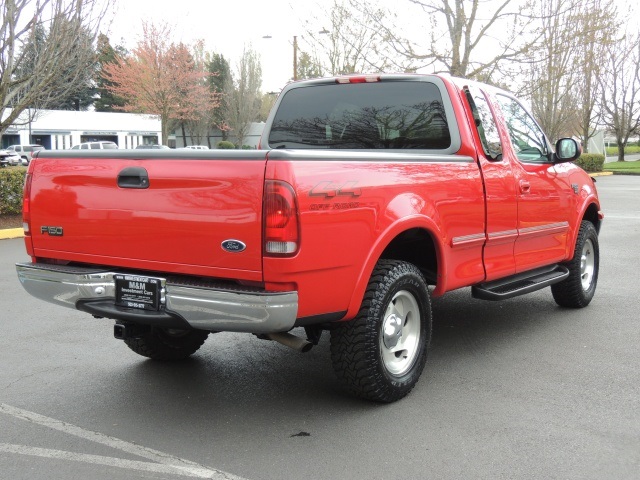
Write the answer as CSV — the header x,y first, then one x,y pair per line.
x,y
364,363
167,344
577,290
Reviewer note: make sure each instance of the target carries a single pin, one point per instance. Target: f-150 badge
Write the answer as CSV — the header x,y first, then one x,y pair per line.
x,y
52,231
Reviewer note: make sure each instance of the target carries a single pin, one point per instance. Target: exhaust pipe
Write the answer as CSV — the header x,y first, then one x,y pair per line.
x,y
291,341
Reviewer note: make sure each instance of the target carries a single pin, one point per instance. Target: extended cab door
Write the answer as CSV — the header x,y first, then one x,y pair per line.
x,y
545,197
500,189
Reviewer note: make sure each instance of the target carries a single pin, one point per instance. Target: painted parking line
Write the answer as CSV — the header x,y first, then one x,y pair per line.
x,y
164,463
99,460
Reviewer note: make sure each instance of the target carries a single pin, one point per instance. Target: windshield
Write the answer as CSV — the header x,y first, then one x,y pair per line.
x,y
381,115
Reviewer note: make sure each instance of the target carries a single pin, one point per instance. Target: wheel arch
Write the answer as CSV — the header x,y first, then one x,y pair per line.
x,y
591,213
415,240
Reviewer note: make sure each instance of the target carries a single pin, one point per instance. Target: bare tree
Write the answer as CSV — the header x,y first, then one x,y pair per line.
x,y
30,77
598,27
467,38
242,97
552,73
353,43
620,90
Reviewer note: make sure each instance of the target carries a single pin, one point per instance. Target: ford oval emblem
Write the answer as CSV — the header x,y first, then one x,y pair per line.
x,y
234,246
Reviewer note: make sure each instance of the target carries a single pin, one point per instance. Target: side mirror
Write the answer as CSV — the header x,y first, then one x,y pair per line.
x,y
567,150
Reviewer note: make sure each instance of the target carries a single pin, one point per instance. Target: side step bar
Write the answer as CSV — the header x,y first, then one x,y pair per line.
x,y
520,283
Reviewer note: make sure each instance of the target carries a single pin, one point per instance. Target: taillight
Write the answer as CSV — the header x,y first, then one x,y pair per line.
x,y
280,219
26,204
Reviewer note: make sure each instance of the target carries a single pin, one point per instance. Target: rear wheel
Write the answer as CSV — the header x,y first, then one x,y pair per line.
x,y
577,290
381,353
167,343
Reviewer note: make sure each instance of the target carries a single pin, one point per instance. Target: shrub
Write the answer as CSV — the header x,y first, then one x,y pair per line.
x,y
225,145
247,147
11,183
591,162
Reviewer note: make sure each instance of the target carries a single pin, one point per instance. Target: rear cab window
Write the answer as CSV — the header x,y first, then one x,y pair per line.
x,y
388,114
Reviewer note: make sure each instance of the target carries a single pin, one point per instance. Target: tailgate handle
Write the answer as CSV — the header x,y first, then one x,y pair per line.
x,y
133,177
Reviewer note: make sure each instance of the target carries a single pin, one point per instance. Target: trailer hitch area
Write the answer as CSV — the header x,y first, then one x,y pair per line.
x,y
122,331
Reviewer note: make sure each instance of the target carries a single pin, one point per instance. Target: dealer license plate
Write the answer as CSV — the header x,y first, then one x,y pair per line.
x,y
138,292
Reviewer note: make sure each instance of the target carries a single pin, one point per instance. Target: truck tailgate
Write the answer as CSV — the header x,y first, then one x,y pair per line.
x,y
104,212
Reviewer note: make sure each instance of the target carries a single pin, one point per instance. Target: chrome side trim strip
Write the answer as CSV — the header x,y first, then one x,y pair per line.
x,y
540,230
505,236
468,240
203,308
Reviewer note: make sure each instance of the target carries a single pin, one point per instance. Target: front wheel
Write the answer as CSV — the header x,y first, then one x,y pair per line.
x,y
167,343
381,353
577,290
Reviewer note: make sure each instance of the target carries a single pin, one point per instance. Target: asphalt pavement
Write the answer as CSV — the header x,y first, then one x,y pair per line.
x,y
519,389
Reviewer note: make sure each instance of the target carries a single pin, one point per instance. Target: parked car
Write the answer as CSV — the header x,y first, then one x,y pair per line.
x,y
9,157
153,146
101,145
25,151
197,147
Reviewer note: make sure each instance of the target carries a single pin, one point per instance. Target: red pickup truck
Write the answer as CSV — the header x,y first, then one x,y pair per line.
x,y
369,194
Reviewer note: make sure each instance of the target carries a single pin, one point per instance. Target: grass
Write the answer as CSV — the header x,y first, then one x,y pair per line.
x,y
629,149
623,167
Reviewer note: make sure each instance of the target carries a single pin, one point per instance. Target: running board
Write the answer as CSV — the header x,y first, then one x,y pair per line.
x,y
520,284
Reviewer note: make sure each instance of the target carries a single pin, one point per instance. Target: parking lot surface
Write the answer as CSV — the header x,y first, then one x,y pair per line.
x,y
513,389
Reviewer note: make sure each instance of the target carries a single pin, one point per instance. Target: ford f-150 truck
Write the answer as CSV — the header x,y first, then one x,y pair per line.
x,y
367,195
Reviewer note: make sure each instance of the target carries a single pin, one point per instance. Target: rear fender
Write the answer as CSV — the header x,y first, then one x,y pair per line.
x,y
415,221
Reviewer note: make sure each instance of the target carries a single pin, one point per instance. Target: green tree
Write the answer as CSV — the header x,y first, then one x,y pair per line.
x,y
308,67
219,75
107,101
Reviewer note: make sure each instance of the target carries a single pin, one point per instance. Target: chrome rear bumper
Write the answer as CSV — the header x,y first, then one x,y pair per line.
x,y
228,308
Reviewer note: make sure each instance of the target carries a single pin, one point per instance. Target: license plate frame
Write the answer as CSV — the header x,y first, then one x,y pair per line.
x,y
138,292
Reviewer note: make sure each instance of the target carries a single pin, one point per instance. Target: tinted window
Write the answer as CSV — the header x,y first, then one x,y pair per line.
x,y
527,138
109,145
84,146
395,115
485,123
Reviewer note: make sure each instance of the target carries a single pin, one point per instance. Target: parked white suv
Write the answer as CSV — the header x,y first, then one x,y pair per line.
x,y
25,151
101,145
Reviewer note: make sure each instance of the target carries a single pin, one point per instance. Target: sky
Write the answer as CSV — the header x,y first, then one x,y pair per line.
x,y
225,26
228,26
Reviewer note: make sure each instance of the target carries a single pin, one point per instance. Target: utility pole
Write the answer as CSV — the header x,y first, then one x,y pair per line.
x,y
295,58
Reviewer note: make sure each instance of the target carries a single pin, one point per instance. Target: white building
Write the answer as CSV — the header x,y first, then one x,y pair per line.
x,y
181,138
61,129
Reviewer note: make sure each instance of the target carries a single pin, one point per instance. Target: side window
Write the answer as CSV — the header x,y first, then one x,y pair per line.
x,y
95,146
84,147
485,123
528,140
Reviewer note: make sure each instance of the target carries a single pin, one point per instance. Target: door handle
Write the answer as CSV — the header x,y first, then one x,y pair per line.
x,y
133,177
525,187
